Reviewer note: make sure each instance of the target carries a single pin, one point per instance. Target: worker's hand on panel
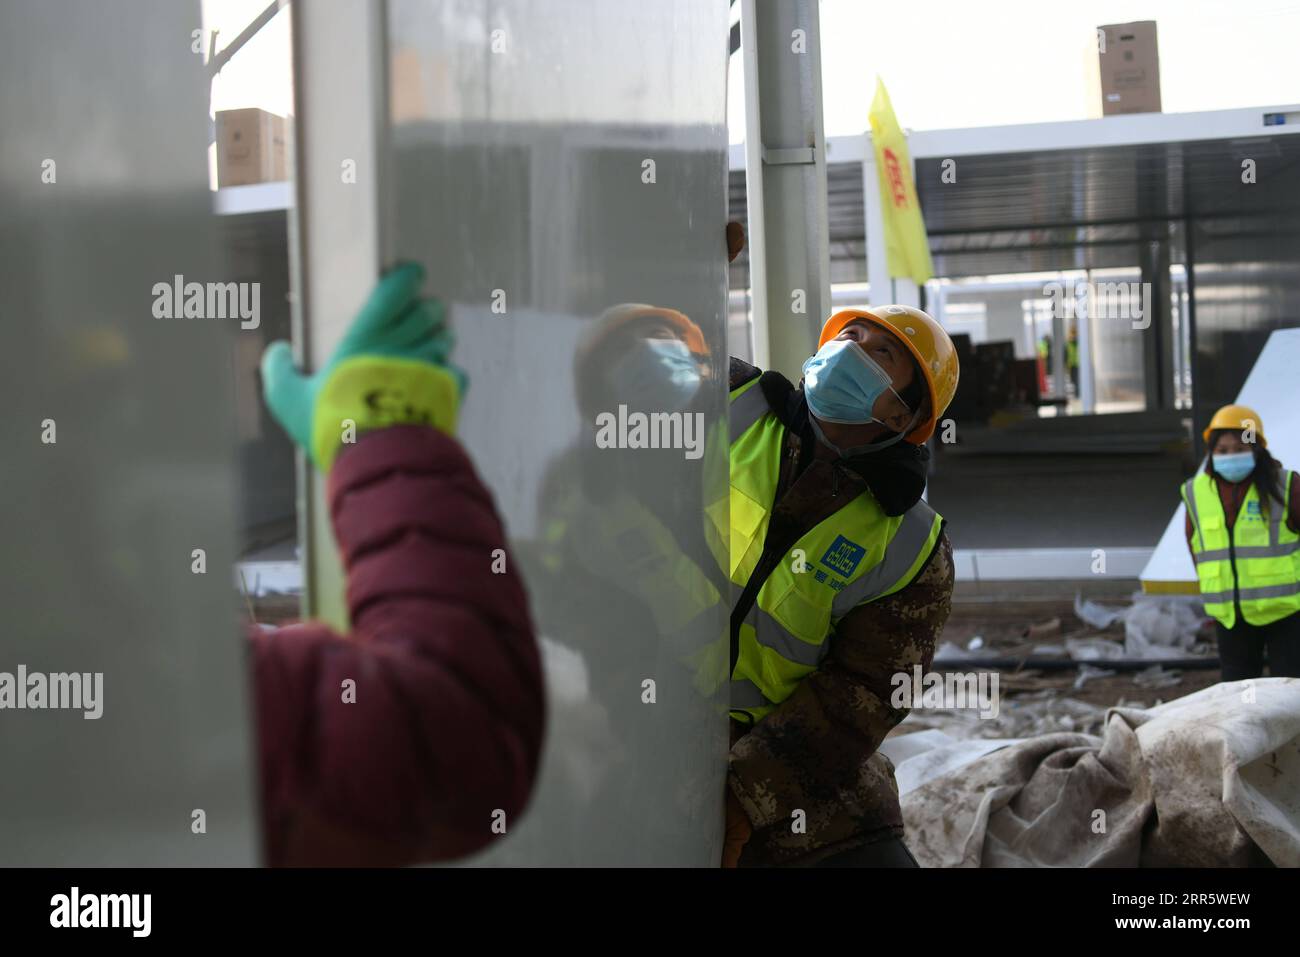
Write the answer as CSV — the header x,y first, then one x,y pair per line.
x,y
389,369
735,240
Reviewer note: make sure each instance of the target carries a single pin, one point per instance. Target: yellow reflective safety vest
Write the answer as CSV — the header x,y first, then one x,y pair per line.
x,y
856,555
623,541
1257,561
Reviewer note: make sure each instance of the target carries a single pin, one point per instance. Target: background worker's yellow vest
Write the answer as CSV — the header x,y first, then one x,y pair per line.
x,y
1263,551
856,555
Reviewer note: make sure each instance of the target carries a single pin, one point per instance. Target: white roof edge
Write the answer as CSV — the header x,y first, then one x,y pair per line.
x,y
253,198
1128,130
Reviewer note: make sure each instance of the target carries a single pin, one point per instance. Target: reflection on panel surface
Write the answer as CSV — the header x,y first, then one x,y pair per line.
x,y
101,524
560,168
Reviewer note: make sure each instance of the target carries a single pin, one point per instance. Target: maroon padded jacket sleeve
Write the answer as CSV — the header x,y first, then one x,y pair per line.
x,y
442,734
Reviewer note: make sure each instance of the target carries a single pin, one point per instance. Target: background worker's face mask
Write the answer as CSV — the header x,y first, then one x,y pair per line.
x,y
842,383
657,374
1235,466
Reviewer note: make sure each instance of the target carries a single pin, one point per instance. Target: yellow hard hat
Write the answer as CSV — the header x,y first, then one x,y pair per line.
x,y
925,339
1236,417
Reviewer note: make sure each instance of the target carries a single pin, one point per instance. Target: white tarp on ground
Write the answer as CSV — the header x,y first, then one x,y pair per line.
x,y
924,755
1208,780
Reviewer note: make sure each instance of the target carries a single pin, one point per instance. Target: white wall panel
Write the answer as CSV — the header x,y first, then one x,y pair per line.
x,y
99,526
520,140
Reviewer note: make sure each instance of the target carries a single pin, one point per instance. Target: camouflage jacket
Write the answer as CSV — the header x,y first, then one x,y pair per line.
x,y
808,775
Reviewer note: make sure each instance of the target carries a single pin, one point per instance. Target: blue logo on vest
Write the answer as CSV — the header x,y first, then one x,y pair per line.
x,y
843,556
1252,508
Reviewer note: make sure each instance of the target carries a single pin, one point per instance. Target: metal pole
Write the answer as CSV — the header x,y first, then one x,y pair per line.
x,y
1083,320
339,224
785,169
757,238
873,226
1058,355
262,19
1190,246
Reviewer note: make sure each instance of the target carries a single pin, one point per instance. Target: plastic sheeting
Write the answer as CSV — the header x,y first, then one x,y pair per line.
x,y
1155,626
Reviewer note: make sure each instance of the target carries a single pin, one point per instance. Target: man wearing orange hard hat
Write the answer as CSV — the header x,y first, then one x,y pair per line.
x,y
841,580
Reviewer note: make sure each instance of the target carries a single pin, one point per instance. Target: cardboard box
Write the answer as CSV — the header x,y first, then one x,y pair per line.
x,y
251,147
406,99
1129,62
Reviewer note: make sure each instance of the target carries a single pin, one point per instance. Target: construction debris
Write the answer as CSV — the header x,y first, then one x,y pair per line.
x,y
1099,616
1155,626
948,651
1095,648
1043,629
1088,672
1158,677
1039,712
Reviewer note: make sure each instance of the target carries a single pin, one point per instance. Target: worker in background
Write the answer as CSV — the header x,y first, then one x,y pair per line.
x,y
841,578
416,737
1243,529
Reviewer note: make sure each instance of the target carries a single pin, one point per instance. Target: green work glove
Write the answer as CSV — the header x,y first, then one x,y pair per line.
x,y
390,369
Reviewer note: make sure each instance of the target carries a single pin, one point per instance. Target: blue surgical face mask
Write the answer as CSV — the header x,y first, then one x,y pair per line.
x,y
1234,467
842,383
657,374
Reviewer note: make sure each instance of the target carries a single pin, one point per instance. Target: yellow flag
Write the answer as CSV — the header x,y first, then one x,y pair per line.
x,y
906,249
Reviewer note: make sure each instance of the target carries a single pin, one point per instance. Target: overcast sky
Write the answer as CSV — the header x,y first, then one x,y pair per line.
x,y
947,63
952,63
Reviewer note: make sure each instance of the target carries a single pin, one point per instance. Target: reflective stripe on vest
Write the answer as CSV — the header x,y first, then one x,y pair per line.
x,y
748,405
1254,594
912,535
1256,564
856,555
745,696
770,633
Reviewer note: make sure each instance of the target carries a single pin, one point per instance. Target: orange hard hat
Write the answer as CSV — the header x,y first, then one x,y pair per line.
x,y
1237,418
631,314
929,344
608,336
